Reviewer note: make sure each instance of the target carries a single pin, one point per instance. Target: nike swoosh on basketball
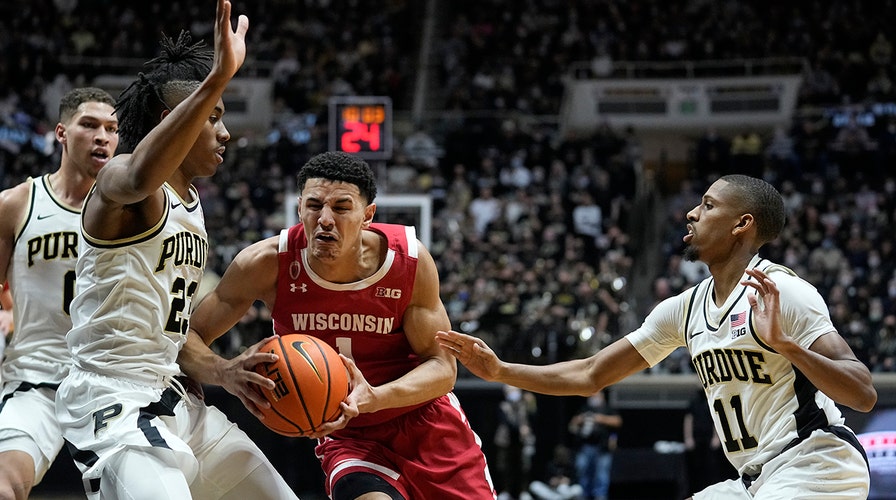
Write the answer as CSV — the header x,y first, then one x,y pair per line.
x,y
42,217
174,205
694,334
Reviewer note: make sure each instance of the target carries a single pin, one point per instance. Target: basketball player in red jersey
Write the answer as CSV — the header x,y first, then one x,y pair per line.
x,y
372,292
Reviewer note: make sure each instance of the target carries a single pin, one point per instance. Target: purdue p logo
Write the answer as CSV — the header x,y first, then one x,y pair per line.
x,y
102,416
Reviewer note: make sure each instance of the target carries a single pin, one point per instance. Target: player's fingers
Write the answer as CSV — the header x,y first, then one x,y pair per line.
x,y
754,302
258,345
222,17
257,399
353,370
260,380
250,359
253,409
242,26
349,411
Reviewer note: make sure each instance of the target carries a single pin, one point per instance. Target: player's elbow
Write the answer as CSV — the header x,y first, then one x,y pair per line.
x,y
866,400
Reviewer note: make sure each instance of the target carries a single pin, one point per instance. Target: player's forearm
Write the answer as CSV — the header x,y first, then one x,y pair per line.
x,y
198,361
579,377
568,378
846,381
431,379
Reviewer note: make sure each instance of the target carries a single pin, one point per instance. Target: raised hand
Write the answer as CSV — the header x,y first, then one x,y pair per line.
x,y
766,308
230,45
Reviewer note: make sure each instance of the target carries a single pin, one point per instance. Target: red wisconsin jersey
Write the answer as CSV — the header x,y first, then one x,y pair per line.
x,y
362,320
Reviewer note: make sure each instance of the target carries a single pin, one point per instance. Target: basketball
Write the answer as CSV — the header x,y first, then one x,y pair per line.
x,y
310,381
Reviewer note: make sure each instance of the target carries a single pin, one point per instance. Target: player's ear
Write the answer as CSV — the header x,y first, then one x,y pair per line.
x,y
369,212
746,222
60,133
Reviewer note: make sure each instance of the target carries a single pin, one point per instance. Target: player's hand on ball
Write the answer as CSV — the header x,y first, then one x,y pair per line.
x,y
472,352
239,378
349,407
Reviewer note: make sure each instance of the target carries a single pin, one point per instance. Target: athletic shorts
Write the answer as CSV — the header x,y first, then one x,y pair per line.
x,y
822,466
28,423
101,416
429,452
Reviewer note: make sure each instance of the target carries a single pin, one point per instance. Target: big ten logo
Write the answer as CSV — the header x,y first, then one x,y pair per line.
x,y
272,371
738,332
392,293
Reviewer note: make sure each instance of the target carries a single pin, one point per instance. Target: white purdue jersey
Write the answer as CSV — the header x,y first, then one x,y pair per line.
x,y
42,281
134,296
761,404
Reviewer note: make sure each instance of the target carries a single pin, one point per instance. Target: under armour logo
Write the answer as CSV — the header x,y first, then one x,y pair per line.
x,y
293,287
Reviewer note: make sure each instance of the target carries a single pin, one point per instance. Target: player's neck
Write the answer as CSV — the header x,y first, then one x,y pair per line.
x,y
355,265
70,186
727,276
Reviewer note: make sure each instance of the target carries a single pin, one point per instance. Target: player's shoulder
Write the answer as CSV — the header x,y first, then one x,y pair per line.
x,y
14,202
787,280
267,248
772,268
18,194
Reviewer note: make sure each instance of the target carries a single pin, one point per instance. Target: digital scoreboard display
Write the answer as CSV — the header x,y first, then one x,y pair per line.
x,y
361,125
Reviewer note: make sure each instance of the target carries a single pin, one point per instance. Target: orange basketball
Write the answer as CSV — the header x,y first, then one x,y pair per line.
x,y
310,381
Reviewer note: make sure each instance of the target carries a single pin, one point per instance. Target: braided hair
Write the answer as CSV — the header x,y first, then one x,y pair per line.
x,y
172,76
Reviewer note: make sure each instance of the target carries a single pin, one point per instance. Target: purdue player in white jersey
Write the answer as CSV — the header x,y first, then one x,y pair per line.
x,y
38,250
762,343
132,428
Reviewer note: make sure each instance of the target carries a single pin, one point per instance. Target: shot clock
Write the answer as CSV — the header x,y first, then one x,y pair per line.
x,y
361,125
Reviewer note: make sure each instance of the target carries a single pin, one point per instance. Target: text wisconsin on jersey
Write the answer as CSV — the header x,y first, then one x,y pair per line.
x,y
342,321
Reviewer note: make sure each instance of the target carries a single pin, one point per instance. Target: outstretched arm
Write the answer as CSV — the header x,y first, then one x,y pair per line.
x,y
829,363
581,377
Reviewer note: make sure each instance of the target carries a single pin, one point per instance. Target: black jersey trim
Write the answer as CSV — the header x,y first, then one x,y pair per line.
x,y
687,315
132,240
45,179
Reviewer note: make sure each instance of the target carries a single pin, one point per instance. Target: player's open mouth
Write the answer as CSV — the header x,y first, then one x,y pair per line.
x,y
101,156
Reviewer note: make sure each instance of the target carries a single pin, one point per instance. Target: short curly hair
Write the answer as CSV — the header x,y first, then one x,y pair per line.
x,y
339,166
69,103
761,199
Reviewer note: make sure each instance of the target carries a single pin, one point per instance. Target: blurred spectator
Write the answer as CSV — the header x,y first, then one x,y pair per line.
x,y
514,442
560,483
595,428
782,161
712,155
484,210
746,154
